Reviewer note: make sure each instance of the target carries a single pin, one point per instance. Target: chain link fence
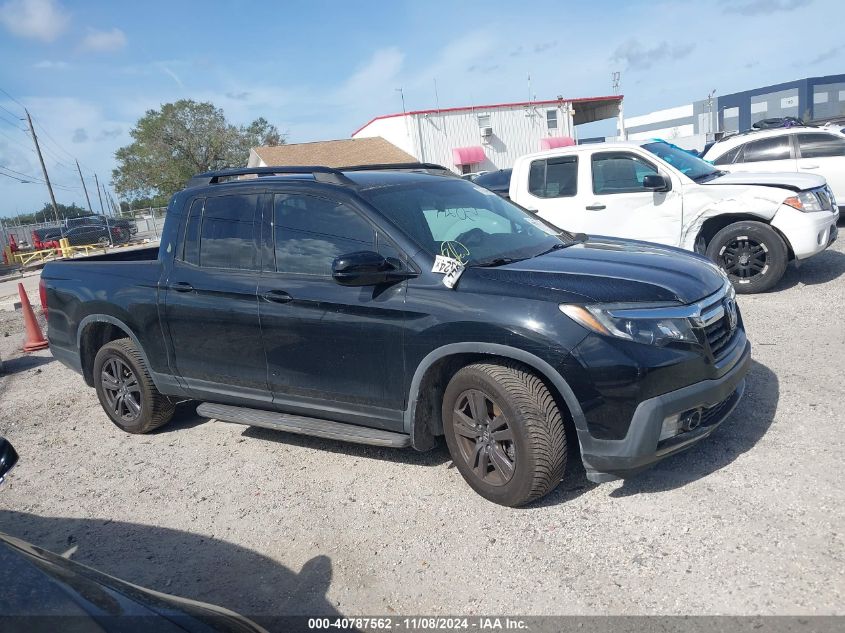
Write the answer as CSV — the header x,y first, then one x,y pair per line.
x,y
141,224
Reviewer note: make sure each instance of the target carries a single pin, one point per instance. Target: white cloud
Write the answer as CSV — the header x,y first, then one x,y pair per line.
x,y
47,64
37,19
104,41
173,76
370,79
764,7
636,56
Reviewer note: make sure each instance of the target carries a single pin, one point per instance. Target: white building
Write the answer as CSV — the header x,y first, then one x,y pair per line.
x,y
487,137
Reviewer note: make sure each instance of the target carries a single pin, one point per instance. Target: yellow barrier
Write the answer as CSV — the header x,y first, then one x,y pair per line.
x,y
64,251
31,256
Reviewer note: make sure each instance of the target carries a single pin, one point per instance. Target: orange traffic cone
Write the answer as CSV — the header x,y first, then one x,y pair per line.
x,y
34,338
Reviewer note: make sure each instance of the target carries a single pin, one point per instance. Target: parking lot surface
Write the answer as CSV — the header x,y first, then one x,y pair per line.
x,y
748,522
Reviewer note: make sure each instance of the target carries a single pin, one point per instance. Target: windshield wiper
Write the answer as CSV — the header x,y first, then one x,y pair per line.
x,y
557,246
710,176
497,261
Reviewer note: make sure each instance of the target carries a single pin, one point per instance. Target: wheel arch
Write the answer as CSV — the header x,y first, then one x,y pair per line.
x,y
94,331
716,223
422,415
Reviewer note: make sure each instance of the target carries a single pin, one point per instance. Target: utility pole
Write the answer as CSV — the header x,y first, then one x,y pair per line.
x,y
100,195
114,206
84,188
106,194
43,167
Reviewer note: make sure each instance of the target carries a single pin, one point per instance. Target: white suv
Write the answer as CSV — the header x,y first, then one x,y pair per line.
x,y
799,149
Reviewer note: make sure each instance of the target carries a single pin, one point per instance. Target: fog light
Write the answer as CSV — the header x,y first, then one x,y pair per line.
x,y
671,427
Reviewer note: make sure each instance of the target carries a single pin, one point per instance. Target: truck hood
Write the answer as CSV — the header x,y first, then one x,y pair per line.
x,y
610,270
785,180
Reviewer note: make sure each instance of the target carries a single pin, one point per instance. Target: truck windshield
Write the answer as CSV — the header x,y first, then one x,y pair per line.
x,y
458,219
691,166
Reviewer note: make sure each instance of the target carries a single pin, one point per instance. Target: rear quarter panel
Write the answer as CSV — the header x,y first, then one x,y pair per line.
x,y
126,291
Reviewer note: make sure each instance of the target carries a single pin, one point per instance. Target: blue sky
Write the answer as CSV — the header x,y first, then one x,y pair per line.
x,y
318,70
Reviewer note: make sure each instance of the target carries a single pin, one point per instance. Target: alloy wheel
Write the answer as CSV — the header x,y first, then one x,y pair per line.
x,y
121,388
745,258
484,437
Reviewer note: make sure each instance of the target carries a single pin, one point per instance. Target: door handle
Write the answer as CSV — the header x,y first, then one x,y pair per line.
x,y
277,296
596,207
181,286
809,166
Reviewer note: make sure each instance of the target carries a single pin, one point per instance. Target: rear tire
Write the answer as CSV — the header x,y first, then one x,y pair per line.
x,y
504,432
126,391
752,254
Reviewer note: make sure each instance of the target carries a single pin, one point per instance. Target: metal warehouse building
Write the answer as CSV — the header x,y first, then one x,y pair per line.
x,y
486,137
815,99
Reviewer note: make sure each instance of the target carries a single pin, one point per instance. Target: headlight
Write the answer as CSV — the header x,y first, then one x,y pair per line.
x,y
652,326
804,201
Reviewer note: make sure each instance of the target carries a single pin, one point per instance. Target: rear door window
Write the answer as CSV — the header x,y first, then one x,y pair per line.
x,y
554,177
772,148
227,235
820,145
191,244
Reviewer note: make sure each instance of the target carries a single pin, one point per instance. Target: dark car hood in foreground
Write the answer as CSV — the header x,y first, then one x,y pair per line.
x,y
38,587
610,270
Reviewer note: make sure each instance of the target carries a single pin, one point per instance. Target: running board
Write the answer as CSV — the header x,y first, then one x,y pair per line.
x,y
303,425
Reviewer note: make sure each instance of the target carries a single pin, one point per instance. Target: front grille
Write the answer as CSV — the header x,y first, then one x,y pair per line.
x,y
718,335
824,199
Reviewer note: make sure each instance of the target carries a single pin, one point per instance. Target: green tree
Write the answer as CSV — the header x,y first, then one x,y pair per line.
x,y
182,139
46,214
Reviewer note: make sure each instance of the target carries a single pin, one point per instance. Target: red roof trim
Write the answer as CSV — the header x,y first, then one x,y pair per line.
x,y
515,104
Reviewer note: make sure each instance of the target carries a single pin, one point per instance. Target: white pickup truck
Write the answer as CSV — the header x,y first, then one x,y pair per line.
x,y
750,224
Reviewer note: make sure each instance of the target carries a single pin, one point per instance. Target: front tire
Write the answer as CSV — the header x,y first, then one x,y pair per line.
x,y
504,432
126,391
752,254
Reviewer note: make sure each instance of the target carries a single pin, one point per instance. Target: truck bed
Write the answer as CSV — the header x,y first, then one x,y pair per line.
x,y
149,253
120,288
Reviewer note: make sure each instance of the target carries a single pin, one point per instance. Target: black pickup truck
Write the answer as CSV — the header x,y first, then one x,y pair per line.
x,y
391,306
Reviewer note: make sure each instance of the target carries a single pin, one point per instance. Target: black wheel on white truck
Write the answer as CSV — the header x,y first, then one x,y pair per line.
x,y
752,254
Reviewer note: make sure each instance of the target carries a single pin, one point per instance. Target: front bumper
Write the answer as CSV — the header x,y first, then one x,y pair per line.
x,y
606,460
807,233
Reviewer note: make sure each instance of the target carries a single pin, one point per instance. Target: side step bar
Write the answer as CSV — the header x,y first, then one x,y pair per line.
x,y
303,425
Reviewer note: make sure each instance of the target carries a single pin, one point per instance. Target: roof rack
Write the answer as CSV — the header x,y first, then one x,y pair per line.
x,y
422,167
320,174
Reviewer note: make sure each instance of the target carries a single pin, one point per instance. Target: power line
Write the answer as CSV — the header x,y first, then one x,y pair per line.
x,y
21,143
17,175
20,173
12,123
56,143
12,98
48,135
10,112
14,177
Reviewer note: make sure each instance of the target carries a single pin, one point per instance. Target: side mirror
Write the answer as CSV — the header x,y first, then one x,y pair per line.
x,y
8,457
364,268
656,182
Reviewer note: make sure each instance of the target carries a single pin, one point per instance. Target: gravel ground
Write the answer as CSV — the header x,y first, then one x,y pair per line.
x,y
748,522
